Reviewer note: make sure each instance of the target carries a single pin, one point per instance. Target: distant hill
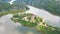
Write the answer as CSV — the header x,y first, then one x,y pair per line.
x,y
5,0
7,7
52,6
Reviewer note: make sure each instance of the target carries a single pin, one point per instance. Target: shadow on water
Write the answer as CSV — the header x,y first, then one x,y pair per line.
x,y
27,30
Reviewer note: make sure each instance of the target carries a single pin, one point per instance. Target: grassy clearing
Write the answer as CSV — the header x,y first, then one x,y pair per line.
x,y
11,12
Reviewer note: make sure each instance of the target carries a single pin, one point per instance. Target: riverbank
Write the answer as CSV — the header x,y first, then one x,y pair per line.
x,y
11,12
51,19
32,21
51,29
11,27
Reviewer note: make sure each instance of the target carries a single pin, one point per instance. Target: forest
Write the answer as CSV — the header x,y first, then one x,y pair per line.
x,y
52,6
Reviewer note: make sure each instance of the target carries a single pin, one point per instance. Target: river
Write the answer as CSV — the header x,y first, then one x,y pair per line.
x,y
7,26
51,19
11,2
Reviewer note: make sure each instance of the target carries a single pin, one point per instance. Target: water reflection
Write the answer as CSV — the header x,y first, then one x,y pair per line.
x,y
27,30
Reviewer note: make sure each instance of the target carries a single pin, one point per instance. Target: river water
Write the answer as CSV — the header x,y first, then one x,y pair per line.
x,y
7,26
51,19
11,2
